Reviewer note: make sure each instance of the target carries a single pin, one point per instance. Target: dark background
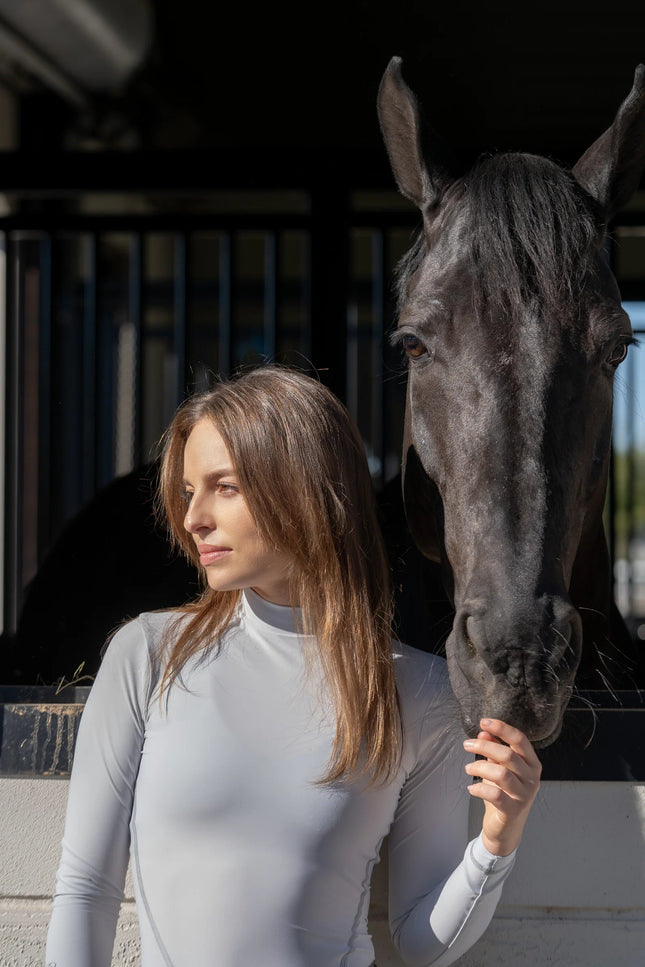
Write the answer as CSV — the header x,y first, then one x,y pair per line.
x,y
288,80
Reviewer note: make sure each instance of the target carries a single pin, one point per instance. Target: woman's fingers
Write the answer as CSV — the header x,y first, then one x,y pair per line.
x,y
498,775
507,746
509,770
504,767
512,737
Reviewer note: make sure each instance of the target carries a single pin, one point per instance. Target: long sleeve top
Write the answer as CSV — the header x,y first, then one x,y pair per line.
x,y
240,856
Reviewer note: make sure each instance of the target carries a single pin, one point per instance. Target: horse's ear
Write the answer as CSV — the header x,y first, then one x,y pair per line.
x,y
416,154
611,168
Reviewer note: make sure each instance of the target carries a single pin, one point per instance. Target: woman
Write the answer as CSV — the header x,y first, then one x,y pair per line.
x,y
250,751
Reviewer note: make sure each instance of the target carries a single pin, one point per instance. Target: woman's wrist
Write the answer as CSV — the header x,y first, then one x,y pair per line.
x,y
502,845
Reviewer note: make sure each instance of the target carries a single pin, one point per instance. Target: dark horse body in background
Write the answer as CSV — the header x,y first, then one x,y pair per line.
x,y
513,325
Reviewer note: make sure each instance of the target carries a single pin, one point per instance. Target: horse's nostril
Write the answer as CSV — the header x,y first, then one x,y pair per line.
x,y
468,641
472,651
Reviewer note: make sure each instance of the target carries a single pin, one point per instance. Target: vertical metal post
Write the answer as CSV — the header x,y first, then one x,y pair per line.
x,y
611,515
271,262
378,313
89,375
225,279
135,314
306,343
45,402
14,441
352,357
4,315
611,486
180,290
99,328
630,490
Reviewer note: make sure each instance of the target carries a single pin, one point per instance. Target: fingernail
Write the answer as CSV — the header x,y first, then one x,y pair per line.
x,y
469,744
486,722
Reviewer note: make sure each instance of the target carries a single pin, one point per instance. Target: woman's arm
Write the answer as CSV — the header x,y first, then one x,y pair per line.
x,y
91,874
442,899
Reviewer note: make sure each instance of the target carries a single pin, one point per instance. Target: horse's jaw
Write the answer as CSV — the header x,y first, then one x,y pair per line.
x,y
421,502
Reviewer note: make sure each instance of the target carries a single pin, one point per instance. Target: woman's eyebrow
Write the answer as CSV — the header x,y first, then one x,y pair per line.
x,y
214,475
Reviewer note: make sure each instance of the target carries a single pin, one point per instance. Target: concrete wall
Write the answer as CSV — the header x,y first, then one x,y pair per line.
x,y
575,898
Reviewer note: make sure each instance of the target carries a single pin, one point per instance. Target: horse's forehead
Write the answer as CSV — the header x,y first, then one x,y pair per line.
x,y
446,277
445,269
450,222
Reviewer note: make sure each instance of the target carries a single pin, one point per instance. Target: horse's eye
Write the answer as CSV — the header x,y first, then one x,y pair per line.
x,y
618,354
413,346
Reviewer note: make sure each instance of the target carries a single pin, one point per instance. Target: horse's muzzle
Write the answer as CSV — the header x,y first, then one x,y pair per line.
x,y
518,665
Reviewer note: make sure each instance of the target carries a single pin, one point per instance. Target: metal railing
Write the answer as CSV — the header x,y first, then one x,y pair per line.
x,y
111,320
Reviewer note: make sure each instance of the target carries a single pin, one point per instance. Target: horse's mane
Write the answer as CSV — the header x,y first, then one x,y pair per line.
x,y
532,230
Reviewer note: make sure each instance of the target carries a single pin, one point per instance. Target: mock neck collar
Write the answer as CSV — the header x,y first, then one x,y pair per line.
x,y
278,616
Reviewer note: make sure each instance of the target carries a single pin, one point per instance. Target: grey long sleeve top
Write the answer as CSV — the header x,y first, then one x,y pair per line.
x,y
240,858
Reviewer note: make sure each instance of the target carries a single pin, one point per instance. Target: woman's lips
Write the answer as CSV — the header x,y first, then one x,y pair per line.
x,y
208,554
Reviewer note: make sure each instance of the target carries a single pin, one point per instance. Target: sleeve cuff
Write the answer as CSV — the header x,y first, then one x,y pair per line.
x,y
488,862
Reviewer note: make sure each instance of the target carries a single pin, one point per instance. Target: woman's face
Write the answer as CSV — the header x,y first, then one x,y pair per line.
x,y
230,547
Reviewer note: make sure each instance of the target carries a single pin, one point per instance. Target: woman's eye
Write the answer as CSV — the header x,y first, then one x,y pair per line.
x,y
413,346
227,488
618,354
187,497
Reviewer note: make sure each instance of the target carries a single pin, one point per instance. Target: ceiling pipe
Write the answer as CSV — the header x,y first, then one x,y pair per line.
x,y
77,47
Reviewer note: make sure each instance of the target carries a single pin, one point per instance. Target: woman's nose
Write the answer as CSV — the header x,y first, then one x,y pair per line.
x,y
188,522
197,517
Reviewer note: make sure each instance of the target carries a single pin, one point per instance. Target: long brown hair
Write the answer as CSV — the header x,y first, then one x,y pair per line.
x,y
303,472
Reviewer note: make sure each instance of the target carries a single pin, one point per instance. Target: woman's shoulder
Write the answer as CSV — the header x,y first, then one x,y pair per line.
x,y
156,623
136,644
417,670
145,628
426,699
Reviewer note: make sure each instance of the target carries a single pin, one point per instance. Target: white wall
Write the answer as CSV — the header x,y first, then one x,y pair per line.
x,y
575,898
32,815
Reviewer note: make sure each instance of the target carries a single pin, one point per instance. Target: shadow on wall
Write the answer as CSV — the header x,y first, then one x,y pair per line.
x,y
112,561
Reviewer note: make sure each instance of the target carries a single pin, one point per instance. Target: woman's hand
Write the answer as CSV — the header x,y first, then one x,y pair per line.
x,y
510,773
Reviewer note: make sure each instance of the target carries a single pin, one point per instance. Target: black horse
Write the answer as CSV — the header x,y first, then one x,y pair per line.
x,y
513,325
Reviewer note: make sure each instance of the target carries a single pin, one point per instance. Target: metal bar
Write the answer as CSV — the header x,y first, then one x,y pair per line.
x,y
351,361
36,222
611,514
135,313
103,404
180,317
630,490
611,498
89,376
225,322
45,401
14,442
271,262
378,314
307,344
3,419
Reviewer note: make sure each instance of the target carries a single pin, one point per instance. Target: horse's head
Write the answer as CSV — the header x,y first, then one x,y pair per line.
x,y
512,322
